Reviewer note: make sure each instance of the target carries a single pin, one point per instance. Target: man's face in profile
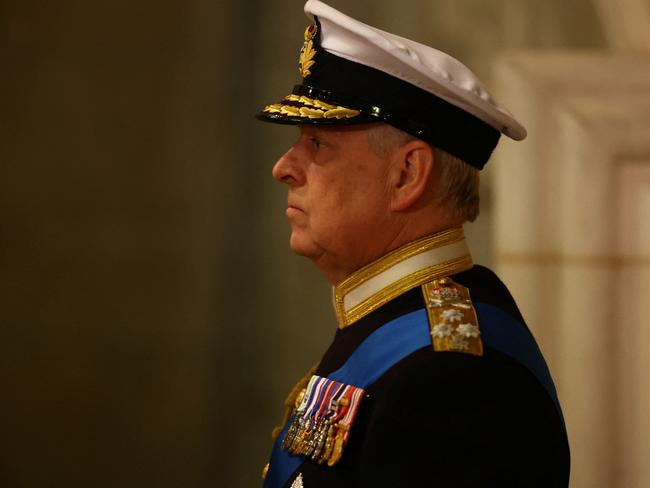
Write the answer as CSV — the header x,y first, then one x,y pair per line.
x,y
338,194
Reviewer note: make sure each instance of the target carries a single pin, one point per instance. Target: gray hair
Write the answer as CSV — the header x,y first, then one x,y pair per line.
x,y
457,184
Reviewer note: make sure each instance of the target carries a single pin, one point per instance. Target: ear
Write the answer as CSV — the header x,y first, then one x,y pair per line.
x,y
412,168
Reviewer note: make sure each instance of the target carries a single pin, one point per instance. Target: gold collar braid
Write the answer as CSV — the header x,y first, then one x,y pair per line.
x,y
399,271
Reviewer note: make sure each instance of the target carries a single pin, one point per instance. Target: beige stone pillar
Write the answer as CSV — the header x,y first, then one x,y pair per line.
x,y
526,199
626,22
601,138
570,244
632,317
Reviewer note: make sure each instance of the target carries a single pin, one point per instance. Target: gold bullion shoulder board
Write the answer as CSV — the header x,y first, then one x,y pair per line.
x,y
452,318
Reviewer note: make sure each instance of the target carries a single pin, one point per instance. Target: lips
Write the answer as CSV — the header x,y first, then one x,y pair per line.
x,y
294,211
294,206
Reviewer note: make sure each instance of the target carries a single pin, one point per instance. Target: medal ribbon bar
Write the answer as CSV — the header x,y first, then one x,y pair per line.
x,y
320,428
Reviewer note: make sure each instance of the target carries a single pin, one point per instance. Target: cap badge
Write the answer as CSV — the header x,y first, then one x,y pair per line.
x,y
307,52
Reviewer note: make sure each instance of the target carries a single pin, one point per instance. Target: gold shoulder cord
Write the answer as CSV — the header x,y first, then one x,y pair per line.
x,y
452,318
291,403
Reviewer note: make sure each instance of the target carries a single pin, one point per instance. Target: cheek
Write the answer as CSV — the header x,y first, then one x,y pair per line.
x,y
351,206
331,206
355,197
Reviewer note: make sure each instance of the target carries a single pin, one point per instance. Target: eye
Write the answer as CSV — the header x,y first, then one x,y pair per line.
x,y
315,142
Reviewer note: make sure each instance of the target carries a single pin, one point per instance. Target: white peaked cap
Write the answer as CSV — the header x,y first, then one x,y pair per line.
x,y
417,64
353,73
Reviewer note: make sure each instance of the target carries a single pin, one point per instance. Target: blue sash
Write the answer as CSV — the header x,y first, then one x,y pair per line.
x,y
399,338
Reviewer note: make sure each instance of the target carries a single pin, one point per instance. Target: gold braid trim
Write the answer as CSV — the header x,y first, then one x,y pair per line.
x,y
314,109
312,102
290,402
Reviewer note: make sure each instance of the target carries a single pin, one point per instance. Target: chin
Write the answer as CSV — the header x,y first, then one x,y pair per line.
x,y
303,246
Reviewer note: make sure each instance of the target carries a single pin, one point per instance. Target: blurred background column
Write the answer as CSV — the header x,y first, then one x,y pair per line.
x,y
570,219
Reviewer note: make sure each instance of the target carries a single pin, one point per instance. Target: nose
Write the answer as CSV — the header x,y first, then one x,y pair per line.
x,y
287,169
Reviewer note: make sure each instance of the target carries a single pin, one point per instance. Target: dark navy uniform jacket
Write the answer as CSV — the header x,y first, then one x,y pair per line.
x,y
446,419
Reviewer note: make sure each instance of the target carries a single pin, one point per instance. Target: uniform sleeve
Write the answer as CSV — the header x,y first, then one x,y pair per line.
x,y
454,420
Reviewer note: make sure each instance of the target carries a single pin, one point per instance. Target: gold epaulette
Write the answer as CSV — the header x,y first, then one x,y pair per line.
x,y
452,318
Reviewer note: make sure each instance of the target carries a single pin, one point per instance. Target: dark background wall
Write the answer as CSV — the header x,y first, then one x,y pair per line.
x,y
112,193
151,316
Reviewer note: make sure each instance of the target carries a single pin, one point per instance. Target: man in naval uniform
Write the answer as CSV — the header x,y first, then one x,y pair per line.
x,y
432,378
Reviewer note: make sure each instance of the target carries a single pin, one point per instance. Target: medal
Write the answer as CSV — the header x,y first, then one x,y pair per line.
x,y
324,414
